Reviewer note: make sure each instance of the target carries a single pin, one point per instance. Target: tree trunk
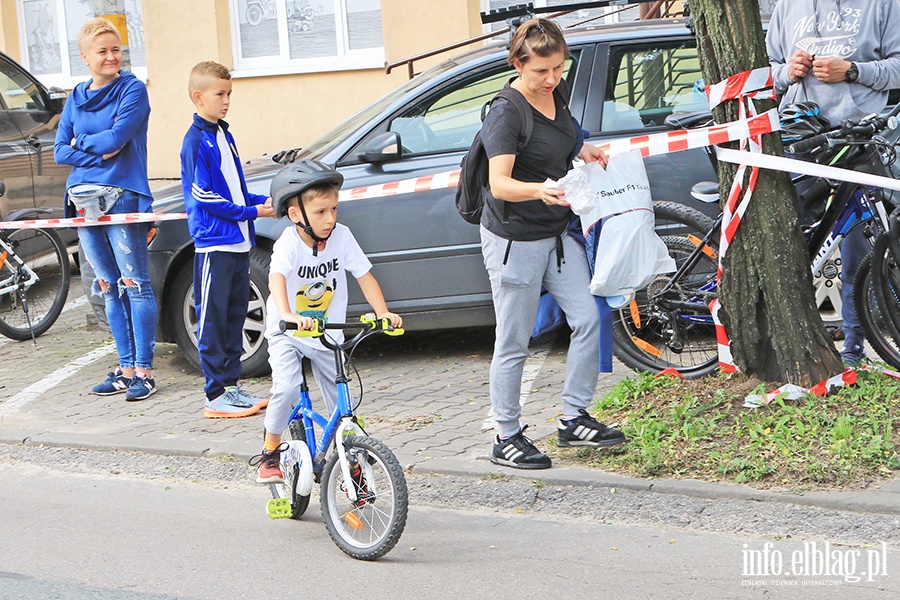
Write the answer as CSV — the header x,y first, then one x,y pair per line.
x,y
766,292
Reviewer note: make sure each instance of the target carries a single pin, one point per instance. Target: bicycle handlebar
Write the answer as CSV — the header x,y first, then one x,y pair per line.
x,y
863,130
366,322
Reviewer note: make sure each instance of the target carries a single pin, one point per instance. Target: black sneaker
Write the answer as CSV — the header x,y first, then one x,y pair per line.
x,y
519,453
584,430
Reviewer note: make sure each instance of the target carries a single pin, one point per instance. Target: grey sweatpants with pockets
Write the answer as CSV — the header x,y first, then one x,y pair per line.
x,y
284,358
516,290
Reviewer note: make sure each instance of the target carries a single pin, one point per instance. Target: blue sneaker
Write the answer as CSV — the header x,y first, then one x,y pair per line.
x,y
140,388
254,400
229,406
115,383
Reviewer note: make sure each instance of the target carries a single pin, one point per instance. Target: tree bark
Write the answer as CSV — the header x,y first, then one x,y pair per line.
x,y
766,292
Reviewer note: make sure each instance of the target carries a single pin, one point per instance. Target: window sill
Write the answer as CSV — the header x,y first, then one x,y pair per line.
x,y
265,68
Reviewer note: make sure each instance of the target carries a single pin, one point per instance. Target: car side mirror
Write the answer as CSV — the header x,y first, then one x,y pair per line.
x,y
2,188
57,99
383,147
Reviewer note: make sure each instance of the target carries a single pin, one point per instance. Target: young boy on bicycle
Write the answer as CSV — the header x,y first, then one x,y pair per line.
x,y
307,280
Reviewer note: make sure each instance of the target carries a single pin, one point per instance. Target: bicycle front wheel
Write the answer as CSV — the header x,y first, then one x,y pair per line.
x,y
876,296
44,252
369,527
674,329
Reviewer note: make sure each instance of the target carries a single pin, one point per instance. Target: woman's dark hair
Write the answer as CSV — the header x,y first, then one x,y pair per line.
x,y
537,36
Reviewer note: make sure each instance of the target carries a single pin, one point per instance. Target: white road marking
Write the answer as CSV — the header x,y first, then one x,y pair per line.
x,y
33,391
533,365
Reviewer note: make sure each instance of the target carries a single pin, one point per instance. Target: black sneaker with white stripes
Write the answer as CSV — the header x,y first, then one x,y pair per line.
x,y
584,430
519,453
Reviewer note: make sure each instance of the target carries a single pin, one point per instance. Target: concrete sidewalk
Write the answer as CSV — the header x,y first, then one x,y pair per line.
x,y
428,408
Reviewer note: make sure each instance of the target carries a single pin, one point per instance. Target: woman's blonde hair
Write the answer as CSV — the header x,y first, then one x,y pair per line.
x,y
537,36
93,28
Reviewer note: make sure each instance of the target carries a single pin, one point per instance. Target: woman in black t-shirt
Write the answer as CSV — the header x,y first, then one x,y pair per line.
x,y
525,247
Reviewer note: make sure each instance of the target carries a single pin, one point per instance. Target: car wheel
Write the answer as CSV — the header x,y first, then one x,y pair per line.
x,y
183,316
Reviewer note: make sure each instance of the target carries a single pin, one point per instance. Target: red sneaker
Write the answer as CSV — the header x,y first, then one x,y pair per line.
x,y
269,465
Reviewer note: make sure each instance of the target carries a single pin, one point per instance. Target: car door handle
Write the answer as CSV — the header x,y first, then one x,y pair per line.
x,y
34,141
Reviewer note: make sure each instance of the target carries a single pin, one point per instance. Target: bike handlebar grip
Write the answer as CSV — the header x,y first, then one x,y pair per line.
x,y
810,143
383,324
315,332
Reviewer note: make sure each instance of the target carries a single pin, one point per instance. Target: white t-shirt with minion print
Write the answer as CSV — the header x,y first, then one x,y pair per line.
x,y
316,285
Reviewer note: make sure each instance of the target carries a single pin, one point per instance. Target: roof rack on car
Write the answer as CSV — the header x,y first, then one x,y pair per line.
x,y
517,14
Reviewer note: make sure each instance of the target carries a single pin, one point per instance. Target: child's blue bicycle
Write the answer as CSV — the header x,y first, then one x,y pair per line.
x,y
363,490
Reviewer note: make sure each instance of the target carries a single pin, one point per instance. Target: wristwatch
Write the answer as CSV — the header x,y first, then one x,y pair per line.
x,y
852,73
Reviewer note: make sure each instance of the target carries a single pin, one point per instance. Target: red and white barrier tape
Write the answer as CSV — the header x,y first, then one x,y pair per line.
x,y
795,392
649,145
83,222
792,165
823,388
743,87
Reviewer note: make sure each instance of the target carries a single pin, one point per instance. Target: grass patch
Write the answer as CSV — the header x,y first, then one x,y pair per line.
x,y
699,429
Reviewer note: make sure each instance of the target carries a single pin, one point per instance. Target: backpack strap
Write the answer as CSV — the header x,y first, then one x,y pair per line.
x,y
515,97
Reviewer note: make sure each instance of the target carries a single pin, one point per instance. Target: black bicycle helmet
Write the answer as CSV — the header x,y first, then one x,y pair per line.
x,y
299,176
292,180
801,120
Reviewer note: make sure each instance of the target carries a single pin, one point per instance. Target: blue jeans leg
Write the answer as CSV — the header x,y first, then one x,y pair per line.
x,y
117,253
854,248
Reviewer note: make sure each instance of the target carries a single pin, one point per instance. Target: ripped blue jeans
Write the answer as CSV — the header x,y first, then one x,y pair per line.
x,y
118,252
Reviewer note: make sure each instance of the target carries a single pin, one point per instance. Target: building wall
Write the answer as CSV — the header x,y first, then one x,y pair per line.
x,y
270,113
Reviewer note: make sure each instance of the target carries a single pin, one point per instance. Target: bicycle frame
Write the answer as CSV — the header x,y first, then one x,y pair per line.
x,y
332,428
15,280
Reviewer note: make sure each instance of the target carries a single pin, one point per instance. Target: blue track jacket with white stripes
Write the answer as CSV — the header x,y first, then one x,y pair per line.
x,y
212,215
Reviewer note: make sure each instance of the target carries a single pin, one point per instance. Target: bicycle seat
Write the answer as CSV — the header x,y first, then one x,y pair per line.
x,y
688,120
706,191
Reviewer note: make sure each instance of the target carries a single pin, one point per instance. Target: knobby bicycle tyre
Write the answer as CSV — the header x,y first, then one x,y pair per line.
x,y
368,528
673,218
649,336
291,471
876,297
45,253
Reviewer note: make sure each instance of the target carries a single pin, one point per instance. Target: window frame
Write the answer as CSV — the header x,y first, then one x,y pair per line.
x,y
281,64
63,79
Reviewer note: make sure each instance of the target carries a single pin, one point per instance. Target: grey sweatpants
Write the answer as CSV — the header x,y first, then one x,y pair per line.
x,y
516,290
284,358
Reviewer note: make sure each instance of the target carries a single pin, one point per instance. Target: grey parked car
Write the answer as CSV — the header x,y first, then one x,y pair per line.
x,y
33,184
624,80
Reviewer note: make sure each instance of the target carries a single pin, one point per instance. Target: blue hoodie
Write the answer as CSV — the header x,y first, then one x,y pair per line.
x,y
865,32
98,122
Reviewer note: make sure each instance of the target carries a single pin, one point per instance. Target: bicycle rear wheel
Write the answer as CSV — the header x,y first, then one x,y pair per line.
x,y
369,527
876,296
290,467
653,334
44,252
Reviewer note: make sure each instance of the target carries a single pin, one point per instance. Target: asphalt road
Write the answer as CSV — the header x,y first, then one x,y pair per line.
x,y
98,536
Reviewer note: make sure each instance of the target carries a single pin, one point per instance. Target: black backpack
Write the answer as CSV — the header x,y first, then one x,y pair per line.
x,y
473,175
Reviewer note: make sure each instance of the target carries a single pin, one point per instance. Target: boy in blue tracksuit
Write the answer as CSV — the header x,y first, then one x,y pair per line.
x,y
220,218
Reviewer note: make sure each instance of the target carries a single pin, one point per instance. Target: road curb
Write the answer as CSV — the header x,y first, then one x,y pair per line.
x,y
882,498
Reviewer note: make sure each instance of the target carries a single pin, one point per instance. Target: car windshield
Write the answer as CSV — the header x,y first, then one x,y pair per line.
x,y
339,133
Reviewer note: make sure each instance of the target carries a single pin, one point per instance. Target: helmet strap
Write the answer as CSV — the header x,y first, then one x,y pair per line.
x,y
317,241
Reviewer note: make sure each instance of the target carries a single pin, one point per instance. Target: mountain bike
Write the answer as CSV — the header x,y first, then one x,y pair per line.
x,y
34,281
363,491
669,324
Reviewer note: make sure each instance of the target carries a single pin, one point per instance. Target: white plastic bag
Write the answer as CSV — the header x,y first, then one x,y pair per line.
x,y
629,254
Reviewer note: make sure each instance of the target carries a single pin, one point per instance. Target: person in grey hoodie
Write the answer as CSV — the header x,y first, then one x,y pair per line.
x,y
843,55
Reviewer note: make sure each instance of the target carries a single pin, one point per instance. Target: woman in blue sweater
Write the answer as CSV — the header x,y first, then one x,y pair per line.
x,y
103,134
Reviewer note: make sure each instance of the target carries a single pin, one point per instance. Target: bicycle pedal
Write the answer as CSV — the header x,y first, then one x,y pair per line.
x,y
279,508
